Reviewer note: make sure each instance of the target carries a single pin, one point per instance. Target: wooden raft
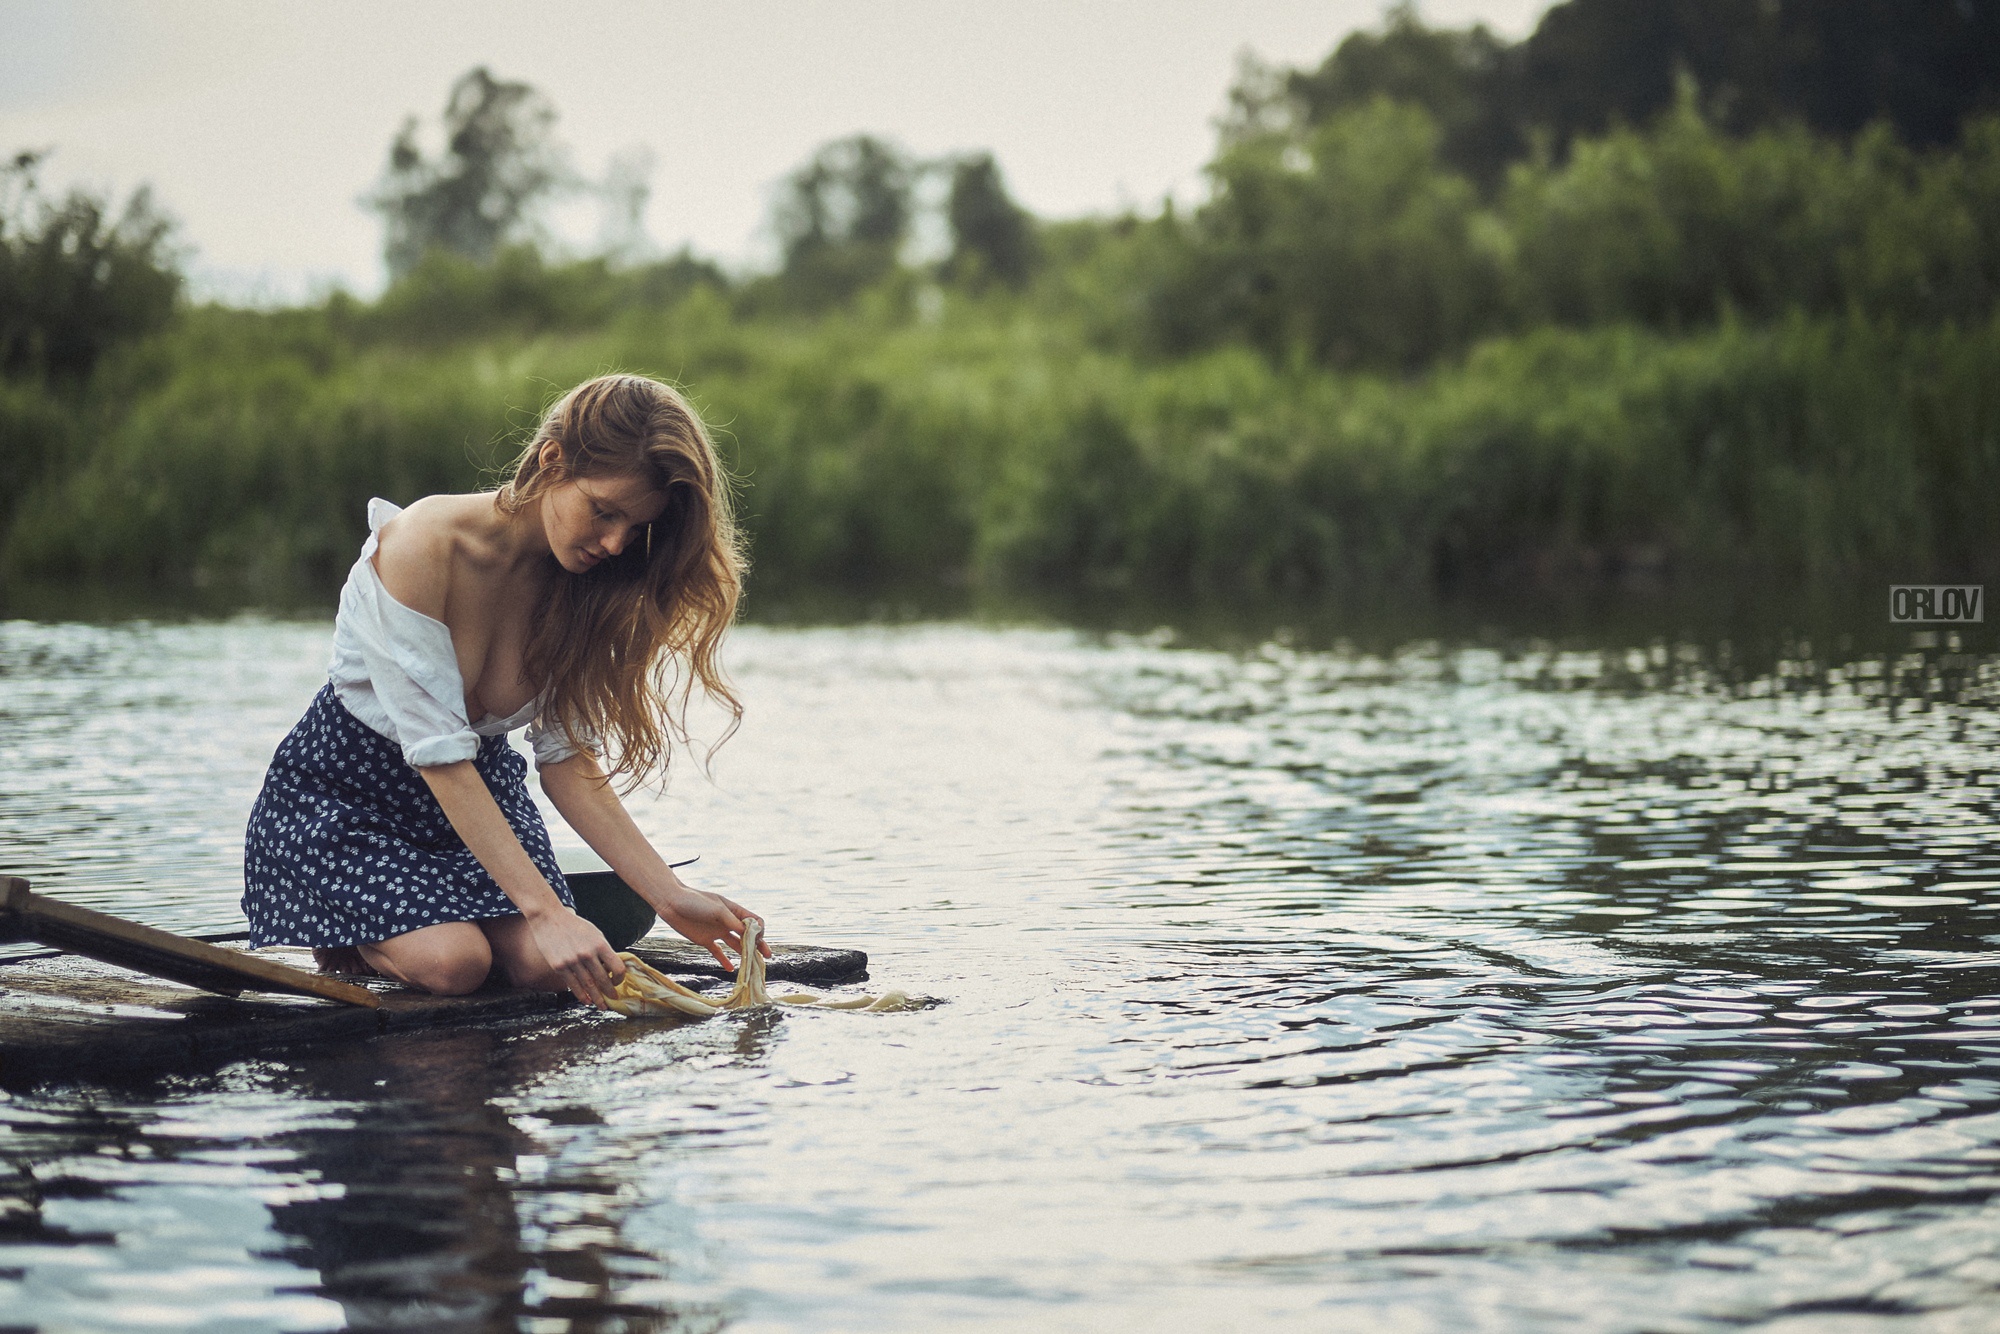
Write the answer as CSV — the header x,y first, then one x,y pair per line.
x,y
75,1017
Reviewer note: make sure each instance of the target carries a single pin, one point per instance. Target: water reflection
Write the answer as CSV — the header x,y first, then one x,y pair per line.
x,y
389,1188
442,1212
418,1229
1647,986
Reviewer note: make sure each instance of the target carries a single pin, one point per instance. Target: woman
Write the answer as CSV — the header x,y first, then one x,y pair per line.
x,y
586,598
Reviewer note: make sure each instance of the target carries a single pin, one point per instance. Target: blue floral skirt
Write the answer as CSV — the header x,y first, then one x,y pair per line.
x,y
347,846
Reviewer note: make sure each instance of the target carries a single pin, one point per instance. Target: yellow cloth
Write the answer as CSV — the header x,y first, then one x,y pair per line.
x,y
644,990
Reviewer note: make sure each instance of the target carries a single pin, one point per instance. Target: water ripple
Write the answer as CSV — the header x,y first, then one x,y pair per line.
x,y
1443,988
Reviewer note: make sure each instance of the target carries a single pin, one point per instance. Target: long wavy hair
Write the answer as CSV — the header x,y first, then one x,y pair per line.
x,y
620,648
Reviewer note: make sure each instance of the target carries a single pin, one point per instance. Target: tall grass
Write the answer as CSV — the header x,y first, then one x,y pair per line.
x,y
990,446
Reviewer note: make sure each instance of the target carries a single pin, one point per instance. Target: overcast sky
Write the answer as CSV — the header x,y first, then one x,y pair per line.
x,y
260,122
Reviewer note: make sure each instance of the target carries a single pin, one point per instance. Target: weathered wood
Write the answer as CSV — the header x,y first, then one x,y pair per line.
x,y
13,890
157,953
74,1018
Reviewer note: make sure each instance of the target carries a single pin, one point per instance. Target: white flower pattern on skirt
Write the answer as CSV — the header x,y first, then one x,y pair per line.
x,y
347,846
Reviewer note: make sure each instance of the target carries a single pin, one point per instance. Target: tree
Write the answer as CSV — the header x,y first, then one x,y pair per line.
x,y
991,236
842,219
1921,65
628,185
1347,241
499,165
74,278
1463,78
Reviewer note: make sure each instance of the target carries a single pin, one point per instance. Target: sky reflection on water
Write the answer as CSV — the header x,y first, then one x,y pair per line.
x,y
1440,988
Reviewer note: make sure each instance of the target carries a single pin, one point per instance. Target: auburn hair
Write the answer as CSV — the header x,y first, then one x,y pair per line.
x,y
619,649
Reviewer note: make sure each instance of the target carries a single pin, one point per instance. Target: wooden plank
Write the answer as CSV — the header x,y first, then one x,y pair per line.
x,y
159,953
71,1018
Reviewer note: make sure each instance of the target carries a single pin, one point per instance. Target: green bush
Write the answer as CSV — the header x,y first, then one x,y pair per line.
x,y
76,279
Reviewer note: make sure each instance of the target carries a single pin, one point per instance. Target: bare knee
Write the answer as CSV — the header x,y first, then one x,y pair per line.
x,y
442,962
453,976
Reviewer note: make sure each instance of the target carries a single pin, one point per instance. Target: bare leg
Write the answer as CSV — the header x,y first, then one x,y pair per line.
x,y
448,959
520,959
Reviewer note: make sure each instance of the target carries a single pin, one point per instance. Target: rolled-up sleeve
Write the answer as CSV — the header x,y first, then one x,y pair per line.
x,y
552,746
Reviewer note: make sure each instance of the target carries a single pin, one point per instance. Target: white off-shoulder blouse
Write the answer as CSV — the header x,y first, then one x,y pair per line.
x,y
394,669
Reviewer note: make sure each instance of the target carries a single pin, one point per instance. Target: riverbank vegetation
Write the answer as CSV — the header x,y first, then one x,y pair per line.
x,y
1384,351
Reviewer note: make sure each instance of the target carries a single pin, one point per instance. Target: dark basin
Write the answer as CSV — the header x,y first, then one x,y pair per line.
x,y
612,906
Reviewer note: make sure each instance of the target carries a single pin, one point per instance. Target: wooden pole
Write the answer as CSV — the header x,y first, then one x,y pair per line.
x,y
28,916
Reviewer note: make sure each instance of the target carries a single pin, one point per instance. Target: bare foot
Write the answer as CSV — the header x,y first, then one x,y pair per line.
x,y
345,960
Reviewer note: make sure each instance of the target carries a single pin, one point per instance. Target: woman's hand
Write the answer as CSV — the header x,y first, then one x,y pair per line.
x,y
578,953
590,805
710,921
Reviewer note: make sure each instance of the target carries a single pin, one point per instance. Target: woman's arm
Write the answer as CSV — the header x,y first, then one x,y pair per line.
x,y
584,795
575,949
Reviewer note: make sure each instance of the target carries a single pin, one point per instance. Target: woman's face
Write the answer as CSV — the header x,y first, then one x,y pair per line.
x,y
588,520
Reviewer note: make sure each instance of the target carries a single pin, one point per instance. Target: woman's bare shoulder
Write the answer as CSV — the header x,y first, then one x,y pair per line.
x,y
416,551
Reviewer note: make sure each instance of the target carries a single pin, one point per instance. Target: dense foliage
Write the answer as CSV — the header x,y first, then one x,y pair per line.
x,y
1678,349
76,280
1350,238
997,445
1920,67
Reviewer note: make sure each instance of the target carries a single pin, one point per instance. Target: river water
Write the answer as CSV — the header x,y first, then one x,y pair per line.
x,y
1425,986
